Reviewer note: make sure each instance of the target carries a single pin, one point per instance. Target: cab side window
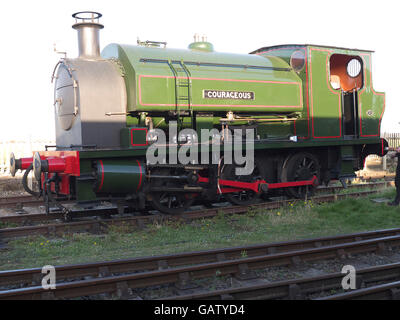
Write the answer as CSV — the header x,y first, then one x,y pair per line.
x,y
346,72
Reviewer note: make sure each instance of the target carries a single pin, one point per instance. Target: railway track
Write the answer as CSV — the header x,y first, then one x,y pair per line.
x,y
27,200
15,201
387,177
121,277
386,291
149,263
302,288
98,226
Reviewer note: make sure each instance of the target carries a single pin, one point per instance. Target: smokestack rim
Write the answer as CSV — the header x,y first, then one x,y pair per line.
x,y
79,25
95,15
88,21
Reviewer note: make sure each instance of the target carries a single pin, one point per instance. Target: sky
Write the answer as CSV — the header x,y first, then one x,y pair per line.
x,y
29,30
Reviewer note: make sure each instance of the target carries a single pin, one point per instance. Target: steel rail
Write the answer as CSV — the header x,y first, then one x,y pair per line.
x,y
332,189
23,200
26,219
97,226
296,289
387,291
90,226
387,177
42,217
13,201
182,275
29,276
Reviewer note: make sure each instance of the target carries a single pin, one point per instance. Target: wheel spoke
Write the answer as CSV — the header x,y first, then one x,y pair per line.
x,y
169,201
301,167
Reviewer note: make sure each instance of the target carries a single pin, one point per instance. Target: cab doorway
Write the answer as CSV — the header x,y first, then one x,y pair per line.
x,y
347,77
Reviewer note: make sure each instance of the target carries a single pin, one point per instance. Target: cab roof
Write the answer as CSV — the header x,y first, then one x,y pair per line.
x,y
306,45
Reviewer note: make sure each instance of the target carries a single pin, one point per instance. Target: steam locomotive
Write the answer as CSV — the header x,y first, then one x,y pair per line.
x,y
309,114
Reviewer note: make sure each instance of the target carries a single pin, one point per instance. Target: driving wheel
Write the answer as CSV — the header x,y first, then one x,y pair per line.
x,y
299,167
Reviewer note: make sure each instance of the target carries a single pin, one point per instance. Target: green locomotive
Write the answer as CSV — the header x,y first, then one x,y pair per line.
x,y
311,112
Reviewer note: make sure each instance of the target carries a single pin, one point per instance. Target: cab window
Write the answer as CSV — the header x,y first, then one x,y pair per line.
x,y
346,72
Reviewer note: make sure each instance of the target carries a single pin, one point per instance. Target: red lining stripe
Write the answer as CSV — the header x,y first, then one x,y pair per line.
x,y
374,93
307,89
329,87
219,105
308,96
138,144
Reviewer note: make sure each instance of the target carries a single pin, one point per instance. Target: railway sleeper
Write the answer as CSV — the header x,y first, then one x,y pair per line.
x,y
48,296
295,292
244,273
185,282
221,257
123,291
395,294
104,272
162,264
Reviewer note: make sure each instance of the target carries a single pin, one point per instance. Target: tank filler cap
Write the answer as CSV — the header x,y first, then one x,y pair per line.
x,y
201,45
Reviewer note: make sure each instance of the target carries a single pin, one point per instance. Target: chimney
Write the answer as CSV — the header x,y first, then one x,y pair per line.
x,y
88,26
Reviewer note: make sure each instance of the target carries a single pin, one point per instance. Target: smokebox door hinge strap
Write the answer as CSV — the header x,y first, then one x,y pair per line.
x,y
53,76
75,97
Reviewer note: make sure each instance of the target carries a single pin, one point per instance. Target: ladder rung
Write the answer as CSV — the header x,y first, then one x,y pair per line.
x,y
182,80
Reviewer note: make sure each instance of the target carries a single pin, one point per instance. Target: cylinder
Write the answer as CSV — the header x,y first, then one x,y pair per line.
x,y
119,176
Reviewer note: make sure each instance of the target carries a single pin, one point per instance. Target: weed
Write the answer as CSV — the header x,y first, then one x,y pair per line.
x,y
252,212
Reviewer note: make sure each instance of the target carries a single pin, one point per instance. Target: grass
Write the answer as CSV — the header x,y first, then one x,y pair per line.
x,y
298,220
